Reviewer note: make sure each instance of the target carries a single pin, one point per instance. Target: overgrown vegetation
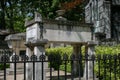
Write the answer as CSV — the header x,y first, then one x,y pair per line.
x,y
111,65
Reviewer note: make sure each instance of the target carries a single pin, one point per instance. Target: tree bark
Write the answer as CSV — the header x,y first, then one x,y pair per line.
x,y
3,25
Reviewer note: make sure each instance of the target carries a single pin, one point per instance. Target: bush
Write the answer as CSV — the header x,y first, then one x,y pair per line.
x,y
107,50
102,50
55,60
61,50
56,54
2,66
109,63
62,67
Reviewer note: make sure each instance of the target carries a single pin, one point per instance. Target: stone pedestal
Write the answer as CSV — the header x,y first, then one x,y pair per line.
x,y
77,66
35,43
29,66
39,50
40,68
88,71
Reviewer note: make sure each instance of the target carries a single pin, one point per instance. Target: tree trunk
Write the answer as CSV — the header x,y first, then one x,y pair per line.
x,y
3,25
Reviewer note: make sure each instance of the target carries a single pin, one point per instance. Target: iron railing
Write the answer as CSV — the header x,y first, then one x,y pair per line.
x,y
105,67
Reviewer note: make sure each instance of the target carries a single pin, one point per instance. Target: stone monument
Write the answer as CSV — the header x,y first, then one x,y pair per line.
x,y
35,46
88,71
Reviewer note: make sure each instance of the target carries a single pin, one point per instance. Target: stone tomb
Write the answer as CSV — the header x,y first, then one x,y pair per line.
x,y
40,32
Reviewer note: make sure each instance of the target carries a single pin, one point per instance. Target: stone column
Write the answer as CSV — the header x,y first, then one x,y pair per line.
x,y
75,65
39,71
40,68
29,68
35,44
88,71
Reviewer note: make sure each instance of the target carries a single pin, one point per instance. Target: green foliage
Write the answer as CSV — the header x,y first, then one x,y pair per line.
x,y
100,50
14,12
56,60
61,50
2,66
56,54
107,49
110,64
62,67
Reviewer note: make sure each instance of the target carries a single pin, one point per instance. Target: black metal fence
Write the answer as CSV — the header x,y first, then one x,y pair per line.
x,y
104,67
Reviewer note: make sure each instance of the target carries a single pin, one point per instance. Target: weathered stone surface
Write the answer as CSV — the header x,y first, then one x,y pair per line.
x,y
88,71
99,11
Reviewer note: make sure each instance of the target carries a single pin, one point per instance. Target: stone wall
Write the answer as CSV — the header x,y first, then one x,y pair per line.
x,y
116,2
99,10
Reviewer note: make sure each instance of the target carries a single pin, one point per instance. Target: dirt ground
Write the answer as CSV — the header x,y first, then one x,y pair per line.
x,y
21,76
